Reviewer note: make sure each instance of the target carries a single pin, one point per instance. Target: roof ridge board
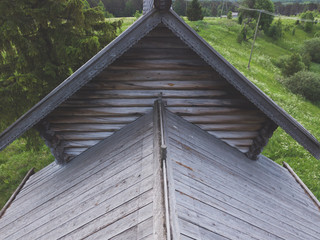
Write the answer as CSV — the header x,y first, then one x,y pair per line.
x,y
73,83
241,83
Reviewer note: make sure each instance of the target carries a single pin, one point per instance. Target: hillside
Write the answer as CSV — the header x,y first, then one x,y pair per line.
x,y
16,160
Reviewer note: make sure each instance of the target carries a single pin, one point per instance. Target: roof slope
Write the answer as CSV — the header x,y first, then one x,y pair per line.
x,y
108,192
125,41
221,194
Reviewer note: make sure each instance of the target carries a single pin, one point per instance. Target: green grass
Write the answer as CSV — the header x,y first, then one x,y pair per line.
x,y
15,161
221,34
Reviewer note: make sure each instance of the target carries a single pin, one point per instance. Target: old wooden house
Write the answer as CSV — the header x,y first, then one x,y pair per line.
x,y
159,137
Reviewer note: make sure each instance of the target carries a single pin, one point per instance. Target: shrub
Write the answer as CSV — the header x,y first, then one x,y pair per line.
x,y
306,84
308,15
275,30
312,47
194,11
290,65
229,15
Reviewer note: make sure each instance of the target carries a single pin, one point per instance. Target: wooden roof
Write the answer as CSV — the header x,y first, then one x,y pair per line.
x,y
106,59
114,191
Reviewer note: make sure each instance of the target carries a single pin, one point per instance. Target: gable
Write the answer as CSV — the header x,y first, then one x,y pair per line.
x,y
210,60
160,64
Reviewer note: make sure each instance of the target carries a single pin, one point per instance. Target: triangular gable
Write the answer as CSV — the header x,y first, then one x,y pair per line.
x,y
126,40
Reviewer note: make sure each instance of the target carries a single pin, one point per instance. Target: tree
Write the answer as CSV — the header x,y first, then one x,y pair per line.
x,y
290,65
229,15
308,15
194,12
41,44
265,20
179,7
275,30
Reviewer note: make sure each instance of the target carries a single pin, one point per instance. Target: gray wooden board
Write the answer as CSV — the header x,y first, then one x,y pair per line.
x,y
70,172
211,175
112,194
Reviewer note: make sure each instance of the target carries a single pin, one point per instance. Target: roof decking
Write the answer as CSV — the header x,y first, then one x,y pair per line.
x,y
114,191
221,194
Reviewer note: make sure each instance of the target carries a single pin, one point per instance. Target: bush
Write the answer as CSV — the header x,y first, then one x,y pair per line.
x,y
229,15
290,65
308,15
312,47
306,84
194,11
275,30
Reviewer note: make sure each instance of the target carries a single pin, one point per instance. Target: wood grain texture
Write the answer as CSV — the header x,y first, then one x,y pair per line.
x,y
221,194
107,192
159,64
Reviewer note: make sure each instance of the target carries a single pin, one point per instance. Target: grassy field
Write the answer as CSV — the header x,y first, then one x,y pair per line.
x,y
221,34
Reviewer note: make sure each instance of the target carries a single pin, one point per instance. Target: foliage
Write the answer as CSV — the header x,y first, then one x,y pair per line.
x,y
308,15
247,30
42,43
290,65
229,15
137,14
275,30
306,84
21,161
194,12
312,47
265,20
179,6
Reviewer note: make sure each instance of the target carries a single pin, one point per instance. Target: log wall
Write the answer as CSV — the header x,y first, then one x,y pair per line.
x,y
159,64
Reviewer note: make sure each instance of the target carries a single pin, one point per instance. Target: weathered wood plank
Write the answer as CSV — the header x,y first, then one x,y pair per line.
x,y
84,135
182,102
248,211
156,53
125,94
96,119
163,42
157,75
98,189
165,64
225,118
84,127
132,133
159,85
103,111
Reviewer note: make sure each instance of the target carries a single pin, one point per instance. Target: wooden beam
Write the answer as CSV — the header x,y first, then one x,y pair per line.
x,y
16,192
301,183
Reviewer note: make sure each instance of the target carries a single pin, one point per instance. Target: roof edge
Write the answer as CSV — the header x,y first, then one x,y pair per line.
x,y
301,183
241,83
80,77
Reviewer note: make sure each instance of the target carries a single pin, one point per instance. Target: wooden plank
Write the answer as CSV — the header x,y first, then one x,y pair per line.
x,y
163,42
252,196
84,127
157,75
243,119
84,135
218,222
95,209
208,126
133,133
182,102
160,32
96,119
165,64
124,223
256,214
125,94
102,111
157,85
158,53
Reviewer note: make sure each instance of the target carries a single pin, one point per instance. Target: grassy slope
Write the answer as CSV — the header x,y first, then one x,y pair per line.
x,y
221,34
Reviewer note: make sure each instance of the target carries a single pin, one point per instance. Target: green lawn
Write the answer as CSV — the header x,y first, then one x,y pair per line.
x,y
221,34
